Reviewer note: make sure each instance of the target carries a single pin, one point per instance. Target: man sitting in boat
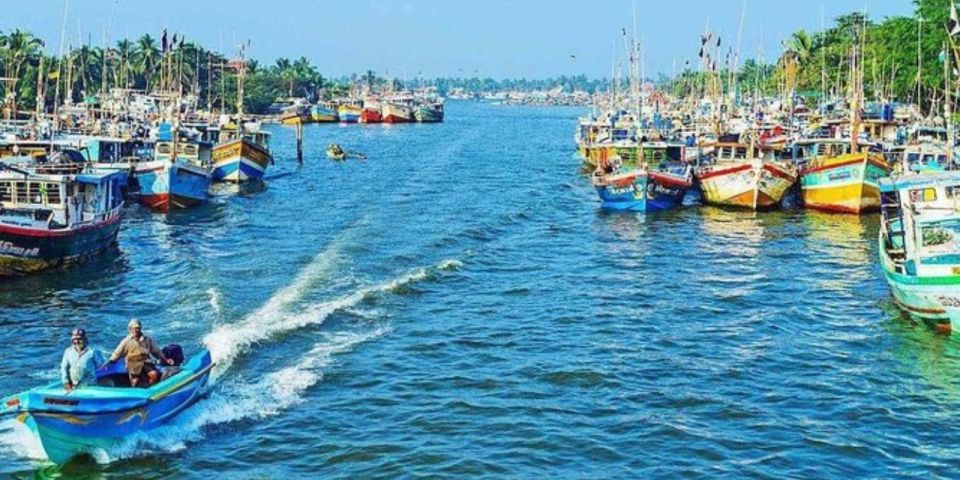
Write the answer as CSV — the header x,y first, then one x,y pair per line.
x,y
79,365
137,349
336,149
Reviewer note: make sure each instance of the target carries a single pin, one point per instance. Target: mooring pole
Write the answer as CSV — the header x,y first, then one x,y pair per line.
x,y
299,142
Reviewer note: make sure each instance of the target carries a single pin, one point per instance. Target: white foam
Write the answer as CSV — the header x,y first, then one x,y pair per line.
x,y
215,301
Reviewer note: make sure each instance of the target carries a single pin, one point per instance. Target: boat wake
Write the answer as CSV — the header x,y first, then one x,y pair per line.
x,y
272,392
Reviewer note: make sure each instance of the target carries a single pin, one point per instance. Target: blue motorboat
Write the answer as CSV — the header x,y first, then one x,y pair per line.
x,y
98,418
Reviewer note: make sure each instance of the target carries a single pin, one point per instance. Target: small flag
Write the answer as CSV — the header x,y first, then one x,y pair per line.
x,y
718,41
163,41
705,38
953,25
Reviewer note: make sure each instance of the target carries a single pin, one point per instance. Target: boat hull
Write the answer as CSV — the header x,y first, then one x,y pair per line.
x,y
845,184
642,191
165,186
934,301
751,184
370,115
393,113
429,115
320,114
28,250
349,114
239,161
98,418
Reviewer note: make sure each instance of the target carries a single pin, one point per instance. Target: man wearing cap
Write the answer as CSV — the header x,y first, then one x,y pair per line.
x,y
80,362
137,348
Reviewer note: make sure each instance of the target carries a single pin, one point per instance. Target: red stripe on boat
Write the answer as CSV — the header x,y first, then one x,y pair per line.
x,y
717,173
43,233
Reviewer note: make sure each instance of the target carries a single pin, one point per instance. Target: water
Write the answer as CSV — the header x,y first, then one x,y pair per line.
x,y
458,306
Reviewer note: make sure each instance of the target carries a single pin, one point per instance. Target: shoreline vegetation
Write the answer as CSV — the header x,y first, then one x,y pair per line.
x,y
902,58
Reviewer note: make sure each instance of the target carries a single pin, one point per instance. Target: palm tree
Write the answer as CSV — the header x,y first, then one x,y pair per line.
x,y
124,54
145,58
17,48
800,46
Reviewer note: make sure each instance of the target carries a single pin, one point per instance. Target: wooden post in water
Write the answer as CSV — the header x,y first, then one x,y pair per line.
x,y
299,141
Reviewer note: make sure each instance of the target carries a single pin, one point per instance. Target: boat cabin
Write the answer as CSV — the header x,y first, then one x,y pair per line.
x,y
53,202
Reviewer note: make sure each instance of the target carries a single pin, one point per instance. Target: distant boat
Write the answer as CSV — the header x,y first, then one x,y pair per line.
x,y
735,177
334,152
919,245
431,113
398,110
840,178
371,113
324,113
97,418
349,113
50,219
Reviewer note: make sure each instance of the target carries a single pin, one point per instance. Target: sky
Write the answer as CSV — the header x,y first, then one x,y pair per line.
x,y
432,38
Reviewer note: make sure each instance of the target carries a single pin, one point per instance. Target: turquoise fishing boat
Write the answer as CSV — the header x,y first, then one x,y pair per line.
x,y
920,245
98,418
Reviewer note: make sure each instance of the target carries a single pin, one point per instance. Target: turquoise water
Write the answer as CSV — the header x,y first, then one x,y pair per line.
x,y
457,305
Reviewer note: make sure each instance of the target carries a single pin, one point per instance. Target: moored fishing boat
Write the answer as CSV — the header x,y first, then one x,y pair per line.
x,y
397,112
98,418
642,190
919,245
324,113
841,176
430,113
173,181
50,219
240,156
371,112
349,113
736,177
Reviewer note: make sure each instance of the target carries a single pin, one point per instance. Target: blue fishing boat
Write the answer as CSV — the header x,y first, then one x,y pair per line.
x,y
657,184
178,177
98,418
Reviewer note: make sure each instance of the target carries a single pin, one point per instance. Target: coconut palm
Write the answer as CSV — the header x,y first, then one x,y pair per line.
x,y
146,55
17,48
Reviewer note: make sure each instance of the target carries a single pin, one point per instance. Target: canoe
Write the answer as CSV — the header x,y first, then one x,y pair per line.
x,y
98,418
332,155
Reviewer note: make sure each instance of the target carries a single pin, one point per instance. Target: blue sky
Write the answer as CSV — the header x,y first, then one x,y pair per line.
x,y
499,38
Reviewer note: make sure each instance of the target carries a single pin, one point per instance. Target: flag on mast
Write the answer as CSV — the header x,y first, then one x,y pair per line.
x,y
953,25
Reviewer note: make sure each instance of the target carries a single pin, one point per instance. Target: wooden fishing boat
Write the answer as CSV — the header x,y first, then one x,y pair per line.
x,y
919,245
349,113
175,181
240,155
55,218
398,111
99,417
432,113
643,190
324,113
841,176
736,177
371,112
334,152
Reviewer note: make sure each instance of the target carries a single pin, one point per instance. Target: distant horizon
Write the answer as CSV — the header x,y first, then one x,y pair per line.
x,y
414,39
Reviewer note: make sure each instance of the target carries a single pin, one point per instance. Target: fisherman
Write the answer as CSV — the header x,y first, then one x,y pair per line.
x,y
79,365
137,348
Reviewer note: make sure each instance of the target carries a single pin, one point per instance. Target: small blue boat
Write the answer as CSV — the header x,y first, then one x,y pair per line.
x,y
94,418
641,190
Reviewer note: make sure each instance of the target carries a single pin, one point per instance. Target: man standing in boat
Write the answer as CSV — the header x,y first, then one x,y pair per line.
x,y
137,349
79,365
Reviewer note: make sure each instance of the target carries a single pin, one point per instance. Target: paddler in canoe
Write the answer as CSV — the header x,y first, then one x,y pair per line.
x,y
334,152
